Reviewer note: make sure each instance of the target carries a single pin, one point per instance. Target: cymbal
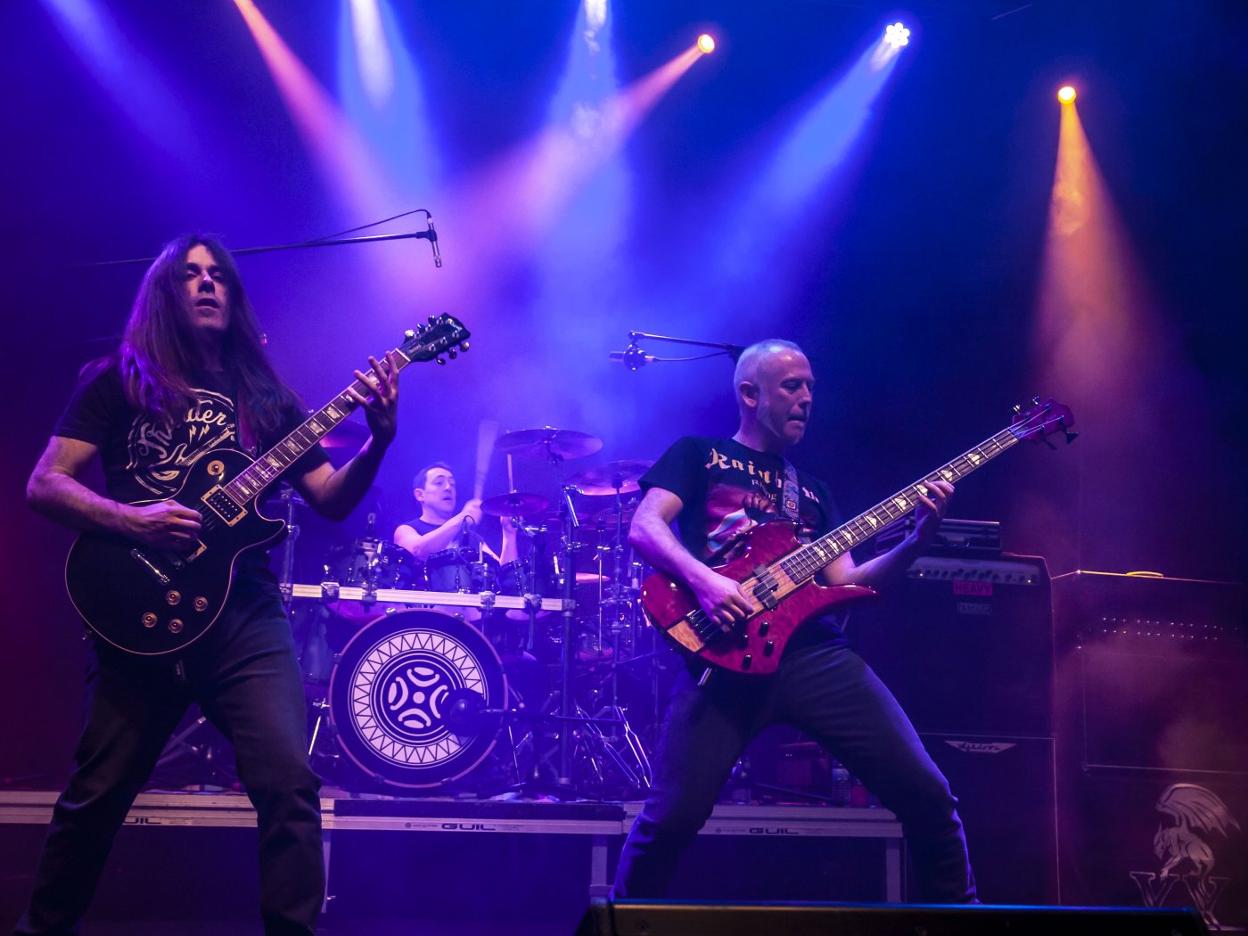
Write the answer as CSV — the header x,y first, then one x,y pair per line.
x,y
614,476
515,504
346,435
548,442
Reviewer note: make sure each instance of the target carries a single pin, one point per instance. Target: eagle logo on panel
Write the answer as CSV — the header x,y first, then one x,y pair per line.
x,y
1195,823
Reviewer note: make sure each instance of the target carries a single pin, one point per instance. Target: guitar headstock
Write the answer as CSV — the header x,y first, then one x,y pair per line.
x,y
1040,419
444,334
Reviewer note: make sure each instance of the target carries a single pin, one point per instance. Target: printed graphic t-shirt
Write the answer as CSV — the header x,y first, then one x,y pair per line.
x,y
727,489
146,458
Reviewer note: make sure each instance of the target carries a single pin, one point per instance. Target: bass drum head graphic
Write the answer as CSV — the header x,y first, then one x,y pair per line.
x,y
413,698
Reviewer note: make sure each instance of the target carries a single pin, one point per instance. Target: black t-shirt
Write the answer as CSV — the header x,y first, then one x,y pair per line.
x,y
726,490
424,527
146,458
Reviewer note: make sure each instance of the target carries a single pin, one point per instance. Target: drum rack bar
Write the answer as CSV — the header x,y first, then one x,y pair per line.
x,y
332,591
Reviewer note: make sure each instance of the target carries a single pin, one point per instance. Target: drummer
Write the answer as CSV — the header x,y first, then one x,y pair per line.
x,y
440,527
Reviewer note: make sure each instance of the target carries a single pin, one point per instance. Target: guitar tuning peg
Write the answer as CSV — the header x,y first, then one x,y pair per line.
x,y
408,334
432,319
453,353
1018,408
1035,400
438,360
463,346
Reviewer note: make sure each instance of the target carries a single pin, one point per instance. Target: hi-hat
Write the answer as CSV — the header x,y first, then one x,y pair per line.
x,y
616,476
515,504
548,442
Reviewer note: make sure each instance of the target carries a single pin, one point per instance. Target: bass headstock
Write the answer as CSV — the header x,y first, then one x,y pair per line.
x,y
1041,419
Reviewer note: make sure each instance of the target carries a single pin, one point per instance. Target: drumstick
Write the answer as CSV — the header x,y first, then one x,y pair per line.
x,y
511,480
487,432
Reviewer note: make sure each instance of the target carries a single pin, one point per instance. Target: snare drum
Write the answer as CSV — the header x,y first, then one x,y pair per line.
x,y
371,564
463,569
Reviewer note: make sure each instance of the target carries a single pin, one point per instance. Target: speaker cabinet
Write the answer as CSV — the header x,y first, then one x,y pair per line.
x,y
965,644
1152,705
1007,801
671,918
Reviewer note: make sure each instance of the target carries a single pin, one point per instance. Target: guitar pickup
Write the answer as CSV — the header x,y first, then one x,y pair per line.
x,y
765,595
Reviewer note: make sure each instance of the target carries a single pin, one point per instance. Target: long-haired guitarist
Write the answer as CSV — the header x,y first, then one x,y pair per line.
x,y
716,490
191,376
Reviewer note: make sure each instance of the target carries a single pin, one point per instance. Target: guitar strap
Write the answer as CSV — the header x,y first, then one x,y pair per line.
x,y
791,495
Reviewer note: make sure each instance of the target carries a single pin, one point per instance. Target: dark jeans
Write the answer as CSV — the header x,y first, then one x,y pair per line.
x,y
828,692
244,676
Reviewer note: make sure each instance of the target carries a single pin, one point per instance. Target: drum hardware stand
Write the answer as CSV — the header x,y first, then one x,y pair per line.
x,y
181,745
289,499
566,704
321,705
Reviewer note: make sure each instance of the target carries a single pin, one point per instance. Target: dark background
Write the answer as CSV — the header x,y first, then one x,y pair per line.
x,y
911,279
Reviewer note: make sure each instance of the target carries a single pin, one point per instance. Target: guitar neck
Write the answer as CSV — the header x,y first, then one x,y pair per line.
x,y
268,467
805,561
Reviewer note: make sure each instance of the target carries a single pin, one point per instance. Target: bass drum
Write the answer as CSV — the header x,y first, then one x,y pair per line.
x,y
416,698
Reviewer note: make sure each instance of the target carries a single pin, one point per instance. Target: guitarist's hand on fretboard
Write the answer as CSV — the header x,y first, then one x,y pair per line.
x,y
931,509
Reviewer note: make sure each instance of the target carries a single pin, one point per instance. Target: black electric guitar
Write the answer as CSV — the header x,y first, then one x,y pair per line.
x,y
150,601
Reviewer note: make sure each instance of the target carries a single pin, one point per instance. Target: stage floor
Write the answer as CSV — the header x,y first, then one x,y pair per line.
x,y
568,848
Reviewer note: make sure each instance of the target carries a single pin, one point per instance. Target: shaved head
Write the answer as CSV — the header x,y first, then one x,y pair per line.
x,y
774,388
752,359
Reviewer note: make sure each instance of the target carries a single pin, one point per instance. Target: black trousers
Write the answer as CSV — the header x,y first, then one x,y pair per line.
x,y
827,691
244,675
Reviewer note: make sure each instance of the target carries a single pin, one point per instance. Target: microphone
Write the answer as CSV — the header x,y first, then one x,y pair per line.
x,y
432,236
631,357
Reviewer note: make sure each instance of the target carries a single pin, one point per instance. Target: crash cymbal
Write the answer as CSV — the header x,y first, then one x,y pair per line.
x,y
515,504
346,435
621,476
548,442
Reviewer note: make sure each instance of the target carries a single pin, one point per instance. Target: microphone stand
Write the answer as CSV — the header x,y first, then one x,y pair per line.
x,y
302,245
633,357
732,350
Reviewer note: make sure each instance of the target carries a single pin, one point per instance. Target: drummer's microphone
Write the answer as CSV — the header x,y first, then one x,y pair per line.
x,y
631,357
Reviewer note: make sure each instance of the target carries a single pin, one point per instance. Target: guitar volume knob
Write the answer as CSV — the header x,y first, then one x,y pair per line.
x,y
201,603
148,619
172,597
175,626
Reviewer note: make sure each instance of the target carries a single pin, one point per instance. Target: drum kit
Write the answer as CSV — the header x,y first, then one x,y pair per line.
x,y
458,675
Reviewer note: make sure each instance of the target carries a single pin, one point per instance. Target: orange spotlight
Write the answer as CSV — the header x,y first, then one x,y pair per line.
x,y
1066,94
706,43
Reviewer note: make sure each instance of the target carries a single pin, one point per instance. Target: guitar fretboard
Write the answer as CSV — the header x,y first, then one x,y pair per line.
x,y
805,561
268,467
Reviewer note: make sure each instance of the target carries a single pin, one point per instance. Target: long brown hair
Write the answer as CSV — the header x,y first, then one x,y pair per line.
x,y
159,350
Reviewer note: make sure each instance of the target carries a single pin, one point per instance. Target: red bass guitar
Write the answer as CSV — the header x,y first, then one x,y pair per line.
x,y
778,572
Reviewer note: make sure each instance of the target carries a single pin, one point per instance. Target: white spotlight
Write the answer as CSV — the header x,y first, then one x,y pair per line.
x,y
896,36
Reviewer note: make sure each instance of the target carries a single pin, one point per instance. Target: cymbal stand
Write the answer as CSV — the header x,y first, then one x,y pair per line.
x,y
567,713
289,499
